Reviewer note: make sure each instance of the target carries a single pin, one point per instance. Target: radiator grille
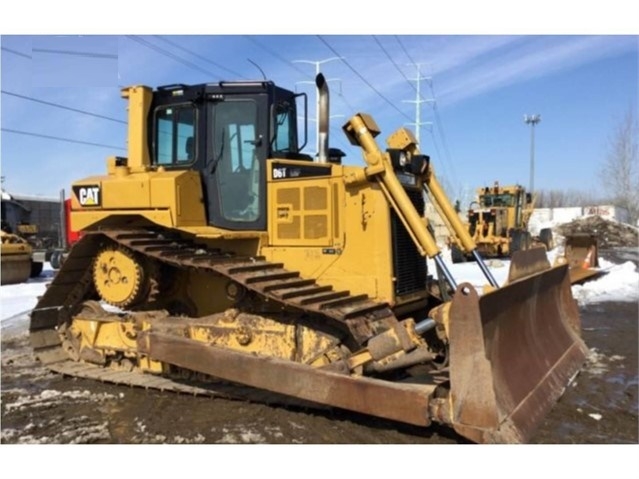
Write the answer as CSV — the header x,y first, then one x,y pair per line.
x,y
409,266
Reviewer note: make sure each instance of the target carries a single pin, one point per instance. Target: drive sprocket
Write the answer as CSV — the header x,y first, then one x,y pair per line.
x,y
119,277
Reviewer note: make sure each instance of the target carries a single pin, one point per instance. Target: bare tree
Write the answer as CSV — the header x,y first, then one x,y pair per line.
x,y
567,198
620,169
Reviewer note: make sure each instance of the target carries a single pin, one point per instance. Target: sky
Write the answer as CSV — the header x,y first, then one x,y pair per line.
x,y
474,93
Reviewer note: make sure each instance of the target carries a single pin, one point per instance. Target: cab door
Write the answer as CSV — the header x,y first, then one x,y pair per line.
x,y
234,176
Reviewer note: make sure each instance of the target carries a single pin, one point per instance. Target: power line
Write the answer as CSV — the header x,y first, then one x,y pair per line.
x,y
76,53
419,99
364,80
435,144
62,106
393,61
418,123
416,88
295,67
438,121
275,54
197,55
404,49
440,127
20,54
170,55
69,140
444,179
338,135
351,108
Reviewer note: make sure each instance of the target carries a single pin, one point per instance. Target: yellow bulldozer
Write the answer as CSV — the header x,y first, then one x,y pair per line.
x,y
235,264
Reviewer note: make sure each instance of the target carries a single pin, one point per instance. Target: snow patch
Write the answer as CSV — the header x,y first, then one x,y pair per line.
x,y
597,363
621,283
50,397
78,430
199,439
244,436
617,357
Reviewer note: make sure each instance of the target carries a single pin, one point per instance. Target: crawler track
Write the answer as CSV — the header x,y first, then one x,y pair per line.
x,y
357,315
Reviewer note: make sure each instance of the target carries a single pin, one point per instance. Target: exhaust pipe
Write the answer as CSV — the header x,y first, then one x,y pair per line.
x,y
322,120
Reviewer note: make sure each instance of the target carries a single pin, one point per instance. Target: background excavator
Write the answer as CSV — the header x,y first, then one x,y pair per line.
x,y
228,256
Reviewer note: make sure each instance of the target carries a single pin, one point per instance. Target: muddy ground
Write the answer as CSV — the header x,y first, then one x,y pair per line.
x,y
599,407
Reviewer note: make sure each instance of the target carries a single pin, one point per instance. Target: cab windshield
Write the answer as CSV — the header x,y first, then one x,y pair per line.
x,y
503,200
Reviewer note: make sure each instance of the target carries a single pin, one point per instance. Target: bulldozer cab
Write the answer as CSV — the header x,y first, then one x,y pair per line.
x,y
226,131
503,200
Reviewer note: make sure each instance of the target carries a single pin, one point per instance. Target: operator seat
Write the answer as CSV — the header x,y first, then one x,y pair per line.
x,y
190,149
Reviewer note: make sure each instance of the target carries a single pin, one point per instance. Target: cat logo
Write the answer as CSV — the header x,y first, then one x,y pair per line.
x,y
88,195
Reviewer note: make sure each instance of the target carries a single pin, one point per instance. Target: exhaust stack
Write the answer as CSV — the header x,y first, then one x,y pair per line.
x,y
323,117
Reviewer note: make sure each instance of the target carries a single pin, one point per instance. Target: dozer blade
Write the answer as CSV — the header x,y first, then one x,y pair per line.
x,y
580,275
401,402
513,351
582,255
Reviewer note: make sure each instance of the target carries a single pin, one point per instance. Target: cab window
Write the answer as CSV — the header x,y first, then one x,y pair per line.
x,y
285,123
175,137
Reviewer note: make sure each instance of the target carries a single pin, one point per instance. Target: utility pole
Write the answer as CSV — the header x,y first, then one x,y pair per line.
x,y
532,120
418,101
317,99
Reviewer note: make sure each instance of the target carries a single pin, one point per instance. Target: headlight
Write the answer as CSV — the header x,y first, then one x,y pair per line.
x,y
399,158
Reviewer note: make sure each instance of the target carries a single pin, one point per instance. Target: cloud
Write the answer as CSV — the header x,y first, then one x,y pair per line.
x,y
462,67
537,57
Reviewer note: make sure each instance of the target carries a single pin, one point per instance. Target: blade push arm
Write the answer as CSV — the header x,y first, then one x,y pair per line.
x,y
404,140
361,130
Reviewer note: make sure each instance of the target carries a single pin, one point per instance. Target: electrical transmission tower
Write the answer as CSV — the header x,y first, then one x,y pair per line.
x,y
418,102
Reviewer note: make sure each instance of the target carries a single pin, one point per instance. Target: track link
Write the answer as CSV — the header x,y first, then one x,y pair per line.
x,y
356,314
